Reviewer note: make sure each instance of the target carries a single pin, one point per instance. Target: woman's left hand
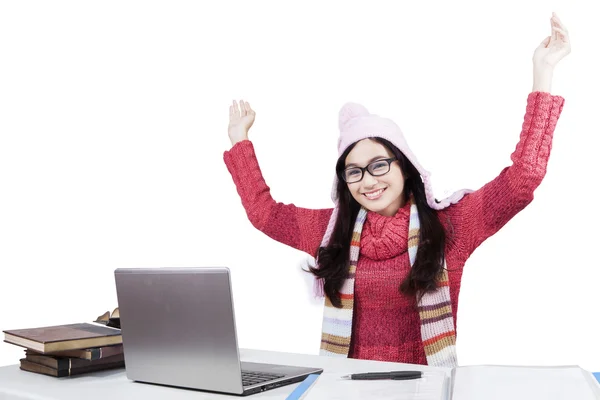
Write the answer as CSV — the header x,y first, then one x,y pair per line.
x,y
554,48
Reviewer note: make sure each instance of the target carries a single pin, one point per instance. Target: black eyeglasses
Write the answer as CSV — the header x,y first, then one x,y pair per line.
x,y
376,168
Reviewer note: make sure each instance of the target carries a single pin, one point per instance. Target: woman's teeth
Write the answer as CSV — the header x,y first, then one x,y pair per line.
x,y
374,195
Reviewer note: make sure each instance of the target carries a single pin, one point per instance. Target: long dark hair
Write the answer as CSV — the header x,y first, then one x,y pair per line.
x,y
334,260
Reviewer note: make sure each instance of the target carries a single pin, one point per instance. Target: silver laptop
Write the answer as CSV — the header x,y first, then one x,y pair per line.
x,y
178,329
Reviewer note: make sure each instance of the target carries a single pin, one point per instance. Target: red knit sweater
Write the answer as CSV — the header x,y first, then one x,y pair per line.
x,y
386,325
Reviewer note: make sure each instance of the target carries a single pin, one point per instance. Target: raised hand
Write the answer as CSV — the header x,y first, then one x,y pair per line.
x,y
241,119
555,47
552,49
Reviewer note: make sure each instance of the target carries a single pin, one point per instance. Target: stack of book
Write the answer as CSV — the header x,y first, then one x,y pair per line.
x,y
72,349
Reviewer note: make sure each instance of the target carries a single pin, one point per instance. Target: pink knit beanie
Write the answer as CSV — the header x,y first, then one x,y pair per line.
x,y
355,124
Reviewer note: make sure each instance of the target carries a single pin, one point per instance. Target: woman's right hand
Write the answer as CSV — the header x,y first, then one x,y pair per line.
x,y
241,119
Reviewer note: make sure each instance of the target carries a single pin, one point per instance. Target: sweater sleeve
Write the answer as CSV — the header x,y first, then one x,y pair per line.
x,y
482,213
300,228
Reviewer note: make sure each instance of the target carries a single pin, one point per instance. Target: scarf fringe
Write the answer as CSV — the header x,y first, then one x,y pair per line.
x,y
318,288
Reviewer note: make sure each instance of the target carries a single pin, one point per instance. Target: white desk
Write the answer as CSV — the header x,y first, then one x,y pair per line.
x,y
20,385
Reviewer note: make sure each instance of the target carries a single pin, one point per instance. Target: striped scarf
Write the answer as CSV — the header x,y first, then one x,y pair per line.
x,y
435,308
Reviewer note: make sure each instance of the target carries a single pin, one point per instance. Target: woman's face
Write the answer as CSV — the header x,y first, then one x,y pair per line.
x,y
383,194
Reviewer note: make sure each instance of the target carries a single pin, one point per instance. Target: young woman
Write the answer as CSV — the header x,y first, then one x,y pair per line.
x,y
390,256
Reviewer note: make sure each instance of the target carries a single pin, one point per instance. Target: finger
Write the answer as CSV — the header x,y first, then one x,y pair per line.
x,y
247,106
561,29
235,109
562,32
552,31
250,110
555,24
545,42
243,108
558,21
230,111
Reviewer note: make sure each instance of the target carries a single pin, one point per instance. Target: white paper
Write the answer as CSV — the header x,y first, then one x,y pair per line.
x,y
523,383
431,386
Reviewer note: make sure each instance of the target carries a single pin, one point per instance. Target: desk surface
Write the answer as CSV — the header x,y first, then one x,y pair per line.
x,y
113,384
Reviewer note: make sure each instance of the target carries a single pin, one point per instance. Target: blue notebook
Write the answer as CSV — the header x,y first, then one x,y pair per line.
x,y
597,376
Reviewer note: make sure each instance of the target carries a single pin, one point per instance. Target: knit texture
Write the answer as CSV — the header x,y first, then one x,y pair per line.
x,y
435,309
384,264
386,324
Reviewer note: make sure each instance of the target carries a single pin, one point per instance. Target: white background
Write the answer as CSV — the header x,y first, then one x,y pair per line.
x,y
113,124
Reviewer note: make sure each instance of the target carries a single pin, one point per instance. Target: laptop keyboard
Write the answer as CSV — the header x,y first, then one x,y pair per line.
x,y
250,378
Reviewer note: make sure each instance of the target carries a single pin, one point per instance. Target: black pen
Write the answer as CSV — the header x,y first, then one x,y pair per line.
x,y
395,375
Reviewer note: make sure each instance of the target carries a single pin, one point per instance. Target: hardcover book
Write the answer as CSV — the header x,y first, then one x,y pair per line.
x,y
64,337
